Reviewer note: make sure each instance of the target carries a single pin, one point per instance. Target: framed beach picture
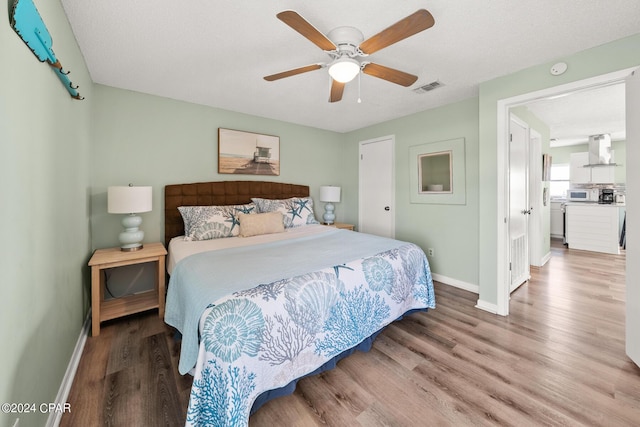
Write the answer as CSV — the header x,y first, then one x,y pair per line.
x,y
248,153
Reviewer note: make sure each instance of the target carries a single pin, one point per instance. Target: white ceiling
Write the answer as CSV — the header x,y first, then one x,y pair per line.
x,y
216,52
573,117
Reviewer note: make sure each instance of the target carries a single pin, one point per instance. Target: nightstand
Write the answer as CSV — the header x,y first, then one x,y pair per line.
x,y
102,259
342,225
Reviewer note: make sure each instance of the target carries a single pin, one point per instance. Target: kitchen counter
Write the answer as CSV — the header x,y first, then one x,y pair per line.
x,y
596,204
593,226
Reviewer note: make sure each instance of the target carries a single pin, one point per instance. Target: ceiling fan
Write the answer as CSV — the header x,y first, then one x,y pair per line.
x,y
345,45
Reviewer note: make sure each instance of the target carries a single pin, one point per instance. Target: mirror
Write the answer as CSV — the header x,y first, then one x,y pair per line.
x,y
435,172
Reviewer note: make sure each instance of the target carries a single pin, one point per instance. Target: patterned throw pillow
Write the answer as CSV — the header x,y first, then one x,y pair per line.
x,y
212,222
297,211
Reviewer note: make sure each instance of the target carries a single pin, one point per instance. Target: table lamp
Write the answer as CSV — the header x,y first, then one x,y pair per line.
x,y
132,201
329,194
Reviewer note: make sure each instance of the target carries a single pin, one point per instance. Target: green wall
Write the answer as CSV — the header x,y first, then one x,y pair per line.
x,y
44,220
149,140
452,230
615,56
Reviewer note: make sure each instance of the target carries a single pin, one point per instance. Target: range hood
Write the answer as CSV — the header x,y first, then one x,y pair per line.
x,y
600,151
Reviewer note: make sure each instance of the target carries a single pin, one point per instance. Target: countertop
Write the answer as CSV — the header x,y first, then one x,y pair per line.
x,y
596,204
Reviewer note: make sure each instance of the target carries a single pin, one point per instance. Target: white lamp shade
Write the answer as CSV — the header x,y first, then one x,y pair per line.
x,y
344,70
329,193
129,199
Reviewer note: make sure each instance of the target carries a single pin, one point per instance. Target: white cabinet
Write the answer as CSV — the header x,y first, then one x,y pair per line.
x,y
557,220
603,174
589,175
593,227
578,174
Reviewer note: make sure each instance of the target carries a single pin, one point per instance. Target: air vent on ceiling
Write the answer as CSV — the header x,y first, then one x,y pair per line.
x,y
428,87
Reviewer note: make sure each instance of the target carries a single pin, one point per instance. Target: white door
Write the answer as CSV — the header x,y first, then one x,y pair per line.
x,y
633,214
376,188
538,199
519,208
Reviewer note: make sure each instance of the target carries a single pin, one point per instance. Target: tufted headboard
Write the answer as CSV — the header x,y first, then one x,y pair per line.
x,y
219,193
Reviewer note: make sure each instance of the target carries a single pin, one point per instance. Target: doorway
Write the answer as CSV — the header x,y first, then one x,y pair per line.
x,y
503,119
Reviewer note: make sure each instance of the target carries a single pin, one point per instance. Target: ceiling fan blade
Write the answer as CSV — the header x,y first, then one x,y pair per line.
x,y
336,91
293,72
389,74
412,24
301,25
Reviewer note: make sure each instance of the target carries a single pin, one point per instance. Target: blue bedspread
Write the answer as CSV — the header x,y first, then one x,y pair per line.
x,y
274,312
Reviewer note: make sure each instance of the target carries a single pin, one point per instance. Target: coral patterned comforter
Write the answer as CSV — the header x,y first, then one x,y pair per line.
x,y
292,319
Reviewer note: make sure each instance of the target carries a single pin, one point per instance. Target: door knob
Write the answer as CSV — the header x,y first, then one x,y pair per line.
x,y
387,208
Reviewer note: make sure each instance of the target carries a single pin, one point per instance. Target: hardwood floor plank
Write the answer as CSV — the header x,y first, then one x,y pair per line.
x,y
86,394
557,359
406,403
292,410
164,407
124,402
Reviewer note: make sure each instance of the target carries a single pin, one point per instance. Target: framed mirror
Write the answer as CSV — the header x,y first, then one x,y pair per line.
x,y
435,172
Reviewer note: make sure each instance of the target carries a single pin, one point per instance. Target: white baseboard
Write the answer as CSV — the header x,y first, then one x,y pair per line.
x,y
456,283
69,375
546,258
482,305
487,306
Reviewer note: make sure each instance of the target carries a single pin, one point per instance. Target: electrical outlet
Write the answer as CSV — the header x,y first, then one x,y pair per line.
x,y
431,252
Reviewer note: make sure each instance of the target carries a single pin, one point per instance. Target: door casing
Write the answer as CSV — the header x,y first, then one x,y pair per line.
x,y
503,107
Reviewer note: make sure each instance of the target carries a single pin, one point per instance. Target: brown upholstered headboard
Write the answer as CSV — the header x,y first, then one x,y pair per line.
x,y
219,193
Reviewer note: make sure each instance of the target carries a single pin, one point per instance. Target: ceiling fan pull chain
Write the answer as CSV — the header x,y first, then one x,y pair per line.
x,y
359,75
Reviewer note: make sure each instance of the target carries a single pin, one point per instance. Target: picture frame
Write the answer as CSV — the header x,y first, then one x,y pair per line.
x,y
546,167
438,173
248,153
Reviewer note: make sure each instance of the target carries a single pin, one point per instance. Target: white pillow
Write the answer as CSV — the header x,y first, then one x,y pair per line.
x,y
263,223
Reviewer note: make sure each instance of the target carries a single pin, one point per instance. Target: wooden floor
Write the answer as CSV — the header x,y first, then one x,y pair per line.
x,y
558,359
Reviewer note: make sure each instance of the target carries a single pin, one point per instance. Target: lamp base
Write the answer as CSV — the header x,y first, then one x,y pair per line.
x,y
328,216
131,238
131,249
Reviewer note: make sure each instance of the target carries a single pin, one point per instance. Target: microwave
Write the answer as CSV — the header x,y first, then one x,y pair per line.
x,y
583,195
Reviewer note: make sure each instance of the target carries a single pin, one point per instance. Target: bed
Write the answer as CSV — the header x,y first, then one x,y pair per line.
x,y
264,295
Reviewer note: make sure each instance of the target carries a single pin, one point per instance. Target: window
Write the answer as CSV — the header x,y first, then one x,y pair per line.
x,y
559,184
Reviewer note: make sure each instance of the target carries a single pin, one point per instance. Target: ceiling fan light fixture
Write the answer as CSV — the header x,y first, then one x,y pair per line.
x,y
344,69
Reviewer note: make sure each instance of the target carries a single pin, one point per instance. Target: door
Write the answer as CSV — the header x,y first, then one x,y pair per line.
x,y
377,193
519,208
632,97
538,200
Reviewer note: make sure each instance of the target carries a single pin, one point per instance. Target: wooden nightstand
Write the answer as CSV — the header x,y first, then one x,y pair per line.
x,y
342,225
102,310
